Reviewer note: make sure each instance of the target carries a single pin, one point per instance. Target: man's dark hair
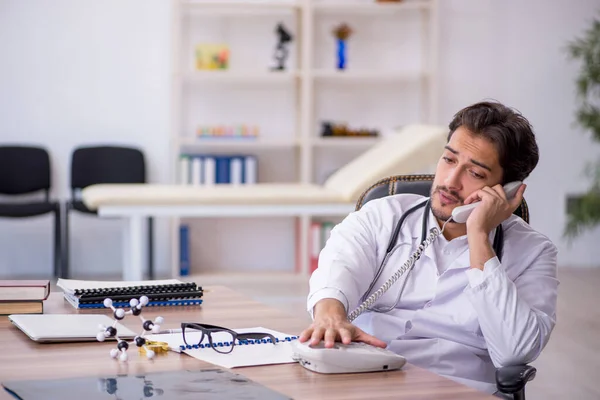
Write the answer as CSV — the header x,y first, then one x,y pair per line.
x,y
508,130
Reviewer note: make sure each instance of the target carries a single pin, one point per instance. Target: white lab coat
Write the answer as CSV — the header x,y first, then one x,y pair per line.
x,y
456,321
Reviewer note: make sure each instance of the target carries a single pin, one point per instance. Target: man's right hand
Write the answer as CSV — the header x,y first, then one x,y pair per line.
x,y
331,324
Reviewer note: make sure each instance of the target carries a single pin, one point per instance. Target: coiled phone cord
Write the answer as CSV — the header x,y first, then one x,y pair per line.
x,y
409,264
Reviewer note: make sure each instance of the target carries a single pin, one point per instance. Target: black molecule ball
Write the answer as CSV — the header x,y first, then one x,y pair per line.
x,y
148,325
140,341
122,345
112,331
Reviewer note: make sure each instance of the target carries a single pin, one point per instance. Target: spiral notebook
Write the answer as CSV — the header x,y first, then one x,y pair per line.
x,y
246,354
91,294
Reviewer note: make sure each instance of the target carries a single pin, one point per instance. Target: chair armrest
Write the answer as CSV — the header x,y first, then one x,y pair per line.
x,y
512,379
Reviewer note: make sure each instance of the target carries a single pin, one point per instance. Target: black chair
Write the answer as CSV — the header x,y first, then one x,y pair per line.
x,y
510,380
104,164
26,170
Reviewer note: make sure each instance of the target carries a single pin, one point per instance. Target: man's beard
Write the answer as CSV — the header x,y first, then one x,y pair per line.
x,y
437,212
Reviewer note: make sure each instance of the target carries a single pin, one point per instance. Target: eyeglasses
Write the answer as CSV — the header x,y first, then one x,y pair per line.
x,y
224,340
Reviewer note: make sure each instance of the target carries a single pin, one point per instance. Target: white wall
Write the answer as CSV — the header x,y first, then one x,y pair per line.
x,y
514,51
79,72
82,72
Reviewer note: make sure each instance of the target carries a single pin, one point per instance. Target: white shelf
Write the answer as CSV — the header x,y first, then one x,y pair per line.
x,y
234,77
345,7
345,142
248,4
225,76
368,76
230,143
295,153
242,7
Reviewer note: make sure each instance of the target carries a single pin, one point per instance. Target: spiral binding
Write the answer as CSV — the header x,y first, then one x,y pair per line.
x,y
125,304
434,233
177,295
238,343
133,290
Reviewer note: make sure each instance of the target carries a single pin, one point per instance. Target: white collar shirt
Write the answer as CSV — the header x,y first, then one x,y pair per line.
x,y
457,321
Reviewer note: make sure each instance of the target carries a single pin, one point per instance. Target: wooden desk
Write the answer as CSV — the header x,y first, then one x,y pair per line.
x,y
21,358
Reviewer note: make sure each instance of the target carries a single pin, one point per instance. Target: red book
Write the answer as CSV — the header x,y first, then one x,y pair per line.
x,y
18,290
315,245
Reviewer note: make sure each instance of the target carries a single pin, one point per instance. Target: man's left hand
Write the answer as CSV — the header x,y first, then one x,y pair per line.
x,y
494,208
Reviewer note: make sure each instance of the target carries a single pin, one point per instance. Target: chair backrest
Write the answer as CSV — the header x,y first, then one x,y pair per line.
x,y
24,169
106,164
416,184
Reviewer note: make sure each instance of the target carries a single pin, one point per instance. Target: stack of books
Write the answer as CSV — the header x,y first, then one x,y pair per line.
x,y
23,296
91,294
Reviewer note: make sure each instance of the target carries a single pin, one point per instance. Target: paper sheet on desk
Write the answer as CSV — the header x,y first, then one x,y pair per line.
x,y
242,355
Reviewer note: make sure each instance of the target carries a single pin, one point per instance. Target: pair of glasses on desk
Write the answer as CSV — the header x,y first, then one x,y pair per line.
x,y
194,335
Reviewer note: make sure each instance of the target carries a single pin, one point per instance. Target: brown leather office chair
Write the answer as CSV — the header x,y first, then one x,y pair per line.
x,y
510,380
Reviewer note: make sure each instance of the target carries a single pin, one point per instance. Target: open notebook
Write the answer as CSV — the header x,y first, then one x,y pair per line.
x,y
251,353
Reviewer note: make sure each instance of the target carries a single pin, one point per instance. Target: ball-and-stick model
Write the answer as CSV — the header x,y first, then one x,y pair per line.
x,y
140,341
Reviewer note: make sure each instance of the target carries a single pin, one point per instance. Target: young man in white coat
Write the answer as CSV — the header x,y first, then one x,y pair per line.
x,y
463,310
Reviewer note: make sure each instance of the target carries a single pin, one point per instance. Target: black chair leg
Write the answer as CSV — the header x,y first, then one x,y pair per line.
x,y
150,248
66,242
58,267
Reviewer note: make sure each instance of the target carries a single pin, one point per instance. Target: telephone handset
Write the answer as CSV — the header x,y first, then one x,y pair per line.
x,y
360,357
460,214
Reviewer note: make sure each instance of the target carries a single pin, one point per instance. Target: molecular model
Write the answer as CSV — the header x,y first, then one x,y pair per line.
x,y
140,341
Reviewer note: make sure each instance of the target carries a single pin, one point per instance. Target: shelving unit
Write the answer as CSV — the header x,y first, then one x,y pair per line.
x,y
390,81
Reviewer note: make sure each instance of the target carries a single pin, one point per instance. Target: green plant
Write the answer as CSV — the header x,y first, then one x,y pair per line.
x,y
585,212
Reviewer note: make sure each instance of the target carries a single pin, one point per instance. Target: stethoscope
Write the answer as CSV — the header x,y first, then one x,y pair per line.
x,y
392,247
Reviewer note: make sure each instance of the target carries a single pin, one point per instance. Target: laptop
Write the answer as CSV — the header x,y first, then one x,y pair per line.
x,y
56,328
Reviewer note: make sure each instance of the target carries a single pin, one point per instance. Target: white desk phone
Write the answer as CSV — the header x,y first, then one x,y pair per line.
x,y
361,357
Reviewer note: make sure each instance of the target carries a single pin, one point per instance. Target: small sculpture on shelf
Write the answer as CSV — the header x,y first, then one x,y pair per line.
x,y
342,32
281,50
145,346
331,129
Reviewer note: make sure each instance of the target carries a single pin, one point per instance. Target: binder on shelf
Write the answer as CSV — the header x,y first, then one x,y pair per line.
x,y
250,170
222,169
326,232
209,172
184,169
197,171
184,250
318,234
298,241
236,170
315,245
90,294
